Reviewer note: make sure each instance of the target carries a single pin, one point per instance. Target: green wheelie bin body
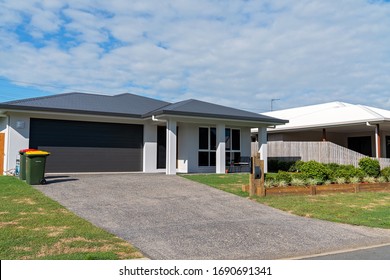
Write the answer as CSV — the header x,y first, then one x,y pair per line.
x,y
22,163
35,167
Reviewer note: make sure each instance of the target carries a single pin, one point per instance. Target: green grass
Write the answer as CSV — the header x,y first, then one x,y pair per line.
x,y
32,226
231,182
370,209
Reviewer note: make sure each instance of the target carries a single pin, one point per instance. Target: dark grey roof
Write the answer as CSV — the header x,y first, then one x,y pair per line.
x,y
118,105
134,106
198,108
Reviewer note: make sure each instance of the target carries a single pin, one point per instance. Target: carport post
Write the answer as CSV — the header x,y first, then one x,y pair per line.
x,y
171,147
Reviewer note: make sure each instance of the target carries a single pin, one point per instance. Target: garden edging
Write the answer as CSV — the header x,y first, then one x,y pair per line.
x,y
323,189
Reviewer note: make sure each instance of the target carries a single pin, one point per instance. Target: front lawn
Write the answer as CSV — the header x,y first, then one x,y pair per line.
x,y
32,226
366,208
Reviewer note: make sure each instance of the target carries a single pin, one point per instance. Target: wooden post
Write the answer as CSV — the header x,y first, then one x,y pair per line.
x,y
357,188
256,181
313,190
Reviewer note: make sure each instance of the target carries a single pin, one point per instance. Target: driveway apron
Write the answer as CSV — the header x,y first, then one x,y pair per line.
x,y
169,217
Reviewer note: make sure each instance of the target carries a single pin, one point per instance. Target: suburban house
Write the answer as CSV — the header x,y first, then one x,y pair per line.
x,y
127,133
331,132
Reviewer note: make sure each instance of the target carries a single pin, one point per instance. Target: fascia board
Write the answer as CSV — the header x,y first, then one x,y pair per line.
x,y
205,119
12,108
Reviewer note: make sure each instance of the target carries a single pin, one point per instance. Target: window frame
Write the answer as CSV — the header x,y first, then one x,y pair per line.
x,y
230,158
211,153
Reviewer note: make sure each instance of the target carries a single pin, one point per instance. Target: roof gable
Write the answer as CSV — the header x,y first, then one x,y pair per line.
x,y
197,108
329,114
123,104
134,106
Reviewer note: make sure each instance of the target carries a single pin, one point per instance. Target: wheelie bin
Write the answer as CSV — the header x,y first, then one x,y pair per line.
x,y
35,167
22,163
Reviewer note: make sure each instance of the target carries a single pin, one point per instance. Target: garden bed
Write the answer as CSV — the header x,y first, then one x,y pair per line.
x,y
324,189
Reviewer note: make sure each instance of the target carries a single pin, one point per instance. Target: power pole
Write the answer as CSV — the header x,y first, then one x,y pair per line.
x,y
272,101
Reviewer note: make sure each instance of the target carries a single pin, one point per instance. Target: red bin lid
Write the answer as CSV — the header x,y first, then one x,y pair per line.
x,y
27,150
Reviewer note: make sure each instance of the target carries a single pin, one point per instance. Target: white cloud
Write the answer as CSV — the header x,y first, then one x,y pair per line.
x,y
237,53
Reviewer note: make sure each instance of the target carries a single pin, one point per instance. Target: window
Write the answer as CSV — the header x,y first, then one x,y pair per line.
x,y
207,146
233,145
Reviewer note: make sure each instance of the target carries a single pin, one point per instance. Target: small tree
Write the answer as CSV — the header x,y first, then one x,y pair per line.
x,y
315,170
370,166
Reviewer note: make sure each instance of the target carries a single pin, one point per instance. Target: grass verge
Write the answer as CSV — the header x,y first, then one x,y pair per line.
x,y
370,209
32,226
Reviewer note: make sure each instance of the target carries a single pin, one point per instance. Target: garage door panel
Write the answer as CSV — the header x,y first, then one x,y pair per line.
x,y
88,146
84,159
84,134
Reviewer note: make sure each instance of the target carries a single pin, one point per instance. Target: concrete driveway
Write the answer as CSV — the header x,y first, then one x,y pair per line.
x,y
169,217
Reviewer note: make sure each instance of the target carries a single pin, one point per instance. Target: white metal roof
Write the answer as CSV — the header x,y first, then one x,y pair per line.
x,y
331,114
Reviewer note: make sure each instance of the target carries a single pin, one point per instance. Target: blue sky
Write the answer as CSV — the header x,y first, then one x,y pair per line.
x,y
234,53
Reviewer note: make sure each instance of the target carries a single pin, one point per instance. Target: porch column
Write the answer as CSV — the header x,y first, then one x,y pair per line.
x,y
221,148
323,134
377,141
262,140
171,148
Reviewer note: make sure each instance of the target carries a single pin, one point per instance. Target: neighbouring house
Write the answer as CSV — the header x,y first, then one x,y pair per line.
x,y
127,133
331,132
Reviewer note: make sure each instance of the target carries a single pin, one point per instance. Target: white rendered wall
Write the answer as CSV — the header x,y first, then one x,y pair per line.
x,y
17,138
150,148
3,129
184,143
171,147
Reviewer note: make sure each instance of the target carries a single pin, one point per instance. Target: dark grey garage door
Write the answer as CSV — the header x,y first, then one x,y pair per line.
x,y
88,146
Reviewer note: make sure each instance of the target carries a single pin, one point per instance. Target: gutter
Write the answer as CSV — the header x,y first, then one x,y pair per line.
x,y
155,119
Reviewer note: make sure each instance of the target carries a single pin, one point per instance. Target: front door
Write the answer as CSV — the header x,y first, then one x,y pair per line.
x,y
388,146
161,146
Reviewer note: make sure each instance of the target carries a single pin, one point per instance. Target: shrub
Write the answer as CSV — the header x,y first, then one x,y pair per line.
x,y
315,170
347,171
270,176
299,175
354,180
328,182
333,167
313,182
283,176
386,172
340,180
370,166
298,182
369,179
382,179
269,183
296,167
282,183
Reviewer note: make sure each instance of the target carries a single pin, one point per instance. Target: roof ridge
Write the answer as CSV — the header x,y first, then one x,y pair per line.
x,y
40,98
367,109
174,105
